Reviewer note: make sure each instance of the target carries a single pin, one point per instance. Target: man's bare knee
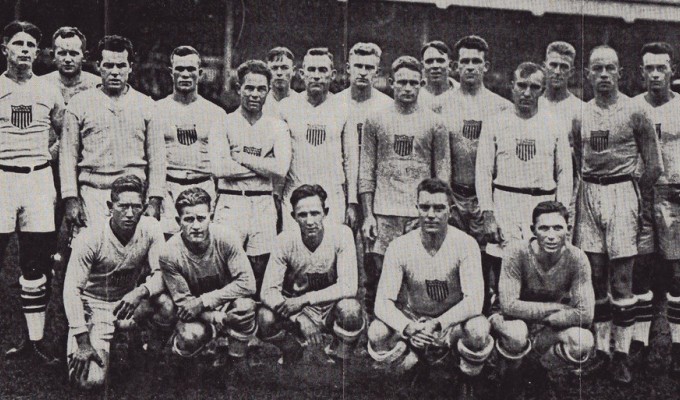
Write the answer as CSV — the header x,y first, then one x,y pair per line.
x,y
267,323
165,310
191,336
513,336
348,315
381,336
579,342
476,332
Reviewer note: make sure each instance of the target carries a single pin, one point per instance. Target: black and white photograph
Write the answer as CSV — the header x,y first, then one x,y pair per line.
x,y
340,199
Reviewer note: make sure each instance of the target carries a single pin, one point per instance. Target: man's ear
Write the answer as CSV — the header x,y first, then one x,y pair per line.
x,y
334,73
200,72
347,66
3,49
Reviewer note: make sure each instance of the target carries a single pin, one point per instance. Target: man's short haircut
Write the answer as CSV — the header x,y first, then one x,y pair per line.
x,y
561,48
527,69
473,42
406,62
116,44
658,48
127,183
549,207
435,185
305,191
253,67
438,45
278,53
320,51
192,197
602,47
67,32
183,51
365,49
15,27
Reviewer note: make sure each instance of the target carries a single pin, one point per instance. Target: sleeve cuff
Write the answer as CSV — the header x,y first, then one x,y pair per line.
x,y
68,192
156,192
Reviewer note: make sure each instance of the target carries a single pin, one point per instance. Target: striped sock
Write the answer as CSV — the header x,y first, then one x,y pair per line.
x,y
643,317
33,305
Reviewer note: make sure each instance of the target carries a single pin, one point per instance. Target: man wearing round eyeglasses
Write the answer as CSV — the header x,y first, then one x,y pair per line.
x,y
438,269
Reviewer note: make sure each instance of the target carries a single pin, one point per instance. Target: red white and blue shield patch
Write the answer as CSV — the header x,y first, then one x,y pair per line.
x,y
186,135
22,116
317,281
525,149
403,145
472,129
316,134
599,140
437,290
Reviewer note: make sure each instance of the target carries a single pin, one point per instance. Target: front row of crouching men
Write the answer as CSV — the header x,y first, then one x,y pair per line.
x,y
428,305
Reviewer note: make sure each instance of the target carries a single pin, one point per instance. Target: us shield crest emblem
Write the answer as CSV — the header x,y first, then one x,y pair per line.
x,y
403,145
599,140
22,116
658,130
186,135
317,281
316,134
437,290
525,149
472,129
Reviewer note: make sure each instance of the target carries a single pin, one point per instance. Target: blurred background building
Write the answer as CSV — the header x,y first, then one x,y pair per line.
x,y
228,32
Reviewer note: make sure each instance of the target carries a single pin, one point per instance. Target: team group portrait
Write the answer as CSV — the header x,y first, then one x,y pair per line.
x,y
320,199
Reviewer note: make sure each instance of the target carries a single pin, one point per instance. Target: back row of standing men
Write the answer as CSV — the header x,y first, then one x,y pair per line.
x,y
363,148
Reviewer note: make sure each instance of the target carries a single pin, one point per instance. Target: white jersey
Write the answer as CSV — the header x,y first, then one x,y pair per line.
x,y
666,121
86,81
563,112
523,153
321,153
436,103
272,107
185,129
26,113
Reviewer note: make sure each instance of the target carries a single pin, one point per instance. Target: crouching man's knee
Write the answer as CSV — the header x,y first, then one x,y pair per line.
x,y
164,315
475,346
241,326
191,338
268,325
573,348
96,376
512,337
388,349
349,319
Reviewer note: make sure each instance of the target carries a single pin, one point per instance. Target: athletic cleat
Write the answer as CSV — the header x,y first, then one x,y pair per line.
x,y
466,389
596,364
34,349
638,353
222,357
675,360
620,369
291,352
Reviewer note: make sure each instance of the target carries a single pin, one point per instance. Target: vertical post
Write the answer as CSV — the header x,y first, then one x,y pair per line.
x,y
17,10
107,17
425,21
228,43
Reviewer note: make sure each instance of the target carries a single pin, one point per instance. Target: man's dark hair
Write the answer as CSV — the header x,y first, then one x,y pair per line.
x,y
183,51
127,183
435,44
278,53
549,207
15,27
658,48
253,67
472,42
435,185
67,32
192,197
117,44
305,191
365,49
527,69
320,51
406,62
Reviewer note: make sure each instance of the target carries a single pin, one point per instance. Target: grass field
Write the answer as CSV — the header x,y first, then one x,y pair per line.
x,y
312,379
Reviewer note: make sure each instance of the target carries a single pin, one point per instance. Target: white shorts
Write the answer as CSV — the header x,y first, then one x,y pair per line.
x,y
254,217
513,214
335,204
608,219
27,201
94,205
100,326
168,211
